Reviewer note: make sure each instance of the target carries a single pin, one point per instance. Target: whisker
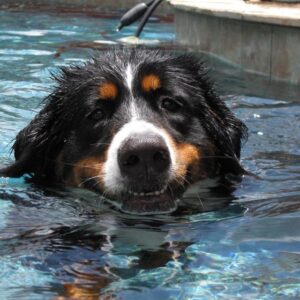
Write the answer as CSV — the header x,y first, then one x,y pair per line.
x,y
201,202
95,166
183,179
100,144
88,179
220,156
171,191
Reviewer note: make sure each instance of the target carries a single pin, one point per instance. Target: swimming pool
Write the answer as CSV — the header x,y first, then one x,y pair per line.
x,y
50,237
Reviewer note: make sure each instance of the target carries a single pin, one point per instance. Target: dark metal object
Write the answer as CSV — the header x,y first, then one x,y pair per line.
x,y
146,16
132,15
143,10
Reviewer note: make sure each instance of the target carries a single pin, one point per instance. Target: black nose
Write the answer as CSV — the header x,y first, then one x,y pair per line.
x,y
144,157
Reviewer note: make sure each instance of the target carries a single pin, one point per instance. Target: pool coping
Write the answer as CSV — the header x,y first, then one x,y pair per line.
x,y
285,14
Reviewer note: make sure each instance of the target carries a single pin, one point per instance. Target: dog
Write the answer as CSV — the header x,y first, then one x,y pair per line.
x,y
138,126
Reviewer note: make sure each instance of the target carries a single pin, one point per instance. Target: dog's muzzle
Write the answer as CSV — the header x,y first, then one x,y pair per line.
x,y
139,169
144,160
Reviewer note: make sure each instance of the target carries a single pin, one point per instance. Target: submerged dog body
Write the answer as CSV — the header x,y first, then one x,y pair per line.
x,y
139,126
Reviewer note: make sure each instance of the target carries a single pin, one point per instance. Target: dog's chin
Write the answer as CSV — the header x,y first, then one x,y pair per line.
x,y
151,203
145,204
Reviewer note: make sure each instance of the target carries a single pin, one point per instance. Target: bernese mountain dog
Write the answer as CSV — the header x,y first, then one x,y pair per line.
x,y
138,126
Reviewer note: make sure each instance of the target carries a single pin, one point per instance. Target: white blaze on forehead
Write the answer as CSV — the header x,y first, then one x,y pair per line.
x,y
133,110
132,105
113,181
129,77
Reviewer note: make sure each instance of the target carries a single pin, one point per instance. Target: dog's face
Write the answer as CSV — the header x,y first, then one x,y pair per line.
x,y
139,127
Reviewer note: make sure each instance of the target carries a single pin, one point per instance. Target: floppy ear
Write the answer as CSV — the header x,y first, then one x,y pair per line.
x,y
30,146
37,145
228,132
223,127
225,131
14,170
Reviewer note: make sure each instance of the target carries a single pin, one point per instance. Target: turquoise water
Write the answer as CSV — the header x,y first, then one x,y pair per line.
x,y
51,237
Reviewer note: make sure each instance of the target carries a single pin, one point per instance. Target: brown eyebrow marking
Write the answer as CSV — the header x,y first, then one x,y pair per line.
x,y
108,90
150,82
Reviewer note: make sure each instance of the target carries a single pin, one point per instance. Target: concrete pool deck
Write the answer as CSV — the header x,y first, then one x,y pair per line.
x,y
260,37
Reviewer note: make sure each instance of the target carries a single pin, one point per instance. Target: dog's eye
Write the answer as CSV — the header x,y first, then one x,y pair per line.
x,y
170,104
96,115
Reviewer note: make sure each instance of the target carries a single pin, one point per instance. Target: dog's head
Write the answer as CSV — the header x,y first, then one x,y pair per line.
x,y
138,126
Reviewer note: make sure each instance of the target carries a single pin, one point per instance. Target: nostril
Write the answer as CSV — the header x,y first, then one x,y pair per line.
x,y
143,157
131,161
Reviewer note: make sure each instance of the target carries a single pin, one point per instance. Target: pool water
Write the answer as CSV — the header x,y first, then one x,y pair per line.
x,y
59,242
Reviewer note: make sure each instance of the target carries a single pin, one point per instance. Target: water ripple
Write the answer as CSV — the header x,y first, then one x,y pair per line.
x,y
247,248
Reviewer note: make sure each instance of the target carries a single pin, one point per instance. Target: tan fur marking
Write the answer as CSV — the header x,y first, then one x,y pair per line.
x,y
187,155
108,90
150,83
87,168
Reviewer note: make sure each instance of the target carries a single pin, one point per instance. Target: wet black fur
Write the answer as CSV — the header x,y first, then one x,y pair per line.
x,y
65,121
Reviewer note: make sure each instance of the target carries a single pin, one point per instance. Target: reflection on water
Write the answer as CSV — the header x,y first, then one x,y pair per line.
x,y
58,241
